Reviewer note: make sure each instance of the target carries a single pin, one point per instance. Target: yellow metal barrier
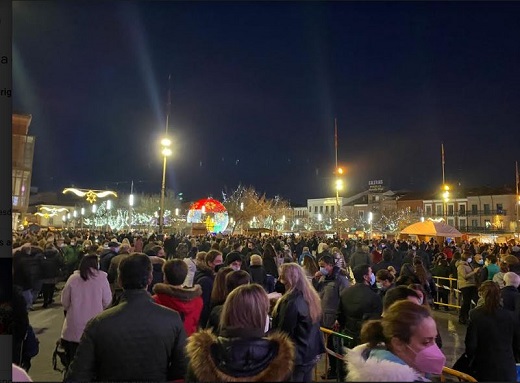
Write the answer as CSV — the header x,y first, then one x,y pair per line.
x,y
453,293
461,376
446,371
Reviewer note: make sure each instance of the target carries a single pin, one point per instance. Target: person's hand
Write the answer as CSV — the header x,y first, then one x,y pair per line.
x,y
318,274
335,326
274,295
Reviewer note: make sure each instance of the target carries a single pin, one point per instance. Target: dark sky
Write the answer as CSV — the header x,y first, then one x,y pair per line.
x,y
256,87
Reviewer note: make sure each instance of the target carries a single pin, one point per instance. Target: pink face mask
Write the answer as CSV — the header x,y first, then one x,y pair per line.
x,y
430,359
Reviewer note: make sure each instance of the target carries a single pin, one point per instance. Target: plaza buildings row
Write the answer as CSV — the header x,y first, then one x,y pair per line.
x,y
475,210
479,210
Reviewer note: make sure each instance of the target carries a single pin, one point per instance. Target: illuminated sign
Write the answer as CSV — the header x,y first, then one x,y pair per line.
x,y
375,185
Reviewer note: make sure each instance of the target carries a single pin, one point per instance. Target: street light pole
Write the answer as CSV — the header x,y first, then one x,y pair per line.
x,y
131,206
166,152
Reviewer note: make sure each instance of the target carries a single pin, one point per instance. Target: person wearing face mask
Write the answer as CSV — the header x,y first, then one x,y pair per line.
x,y
70,254
467,283
234,260
205,277
399,347
358,304
330,282
384,282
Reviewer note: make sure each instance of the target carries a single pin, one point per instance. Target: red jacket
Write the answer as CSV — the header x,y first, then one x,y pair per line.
x,y
186,301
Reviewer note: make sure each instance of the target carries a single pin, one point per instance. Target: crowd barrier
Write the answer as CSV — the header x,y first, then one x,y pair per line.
x,y
448,374
451,292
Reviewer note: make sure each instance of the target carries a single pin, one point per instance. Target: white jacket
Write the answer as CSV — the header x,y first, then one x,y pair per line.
x,y
376,369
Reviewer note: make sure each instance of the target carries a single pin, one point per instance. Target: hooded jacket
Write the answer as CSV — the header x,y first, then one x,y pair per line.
x,y
239,355
466,275
186,301
378,365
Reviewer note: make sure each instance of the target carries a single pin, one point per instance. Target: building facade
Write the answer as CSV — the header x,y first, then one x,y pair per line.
x,y
23,153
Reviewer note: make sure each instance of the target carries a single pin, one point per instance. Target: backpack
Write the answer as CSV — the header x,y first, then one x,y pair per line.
x,y
31,344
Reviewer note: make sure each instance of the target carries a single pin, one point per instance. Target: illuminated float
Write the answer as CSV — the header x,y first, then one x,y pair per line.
x,y
211,213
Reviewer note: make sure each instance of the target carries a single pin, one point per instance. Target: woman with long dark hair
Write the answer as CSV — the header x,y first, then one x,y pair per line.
x,y
492,338
85,295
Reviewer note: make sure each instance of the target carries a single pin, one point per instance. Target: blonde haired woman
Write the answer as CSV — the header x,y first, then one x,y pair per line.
x,y
298,314
241,352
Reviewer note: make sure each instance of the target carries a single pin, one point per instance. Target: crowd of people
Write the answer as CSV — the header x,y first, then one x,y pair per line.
x,y
220,308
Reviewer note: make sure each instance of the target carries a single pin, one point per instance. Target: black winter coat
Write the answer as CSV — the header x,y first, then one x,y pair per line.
x,y
51,265
239,355
205,278
491,340
293,318
357,304
137,340
258,275
511,300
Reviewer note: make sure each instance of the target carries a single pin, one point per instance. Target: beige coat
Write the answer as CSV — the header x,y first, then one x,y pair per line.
x,y
466,276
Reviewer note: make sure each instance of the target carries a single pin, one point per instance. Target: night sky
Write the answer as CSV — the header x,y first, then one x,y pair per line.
x,y
255,89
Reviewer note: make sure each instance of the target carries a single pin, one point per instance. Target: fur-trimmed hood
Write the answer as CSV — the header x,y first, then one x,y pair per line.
x,y
382,367
178,292
272,358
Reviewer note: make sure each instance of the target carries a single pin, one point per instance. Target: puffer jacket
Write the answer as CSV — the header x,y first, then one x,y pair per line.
x,y
239,355
466,276
378,365
186,301
137,340
292,317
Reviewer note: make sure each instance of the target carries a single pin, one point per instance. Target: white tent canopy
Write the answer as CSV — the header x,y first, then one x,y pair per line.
x,y
432,229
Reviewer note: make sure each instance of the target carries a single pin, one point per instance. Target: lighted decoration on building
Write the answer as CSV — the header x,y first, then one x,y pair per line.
x,y
90,195
210,212
47,212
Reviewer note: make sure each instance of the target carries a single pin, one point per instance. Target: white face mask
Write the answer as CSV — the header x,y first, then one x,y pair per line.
x,y
469,260
235,268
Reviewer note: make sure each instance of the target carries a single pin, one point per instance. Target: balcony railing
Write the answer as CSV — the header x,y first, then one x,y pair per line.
x,y
470,213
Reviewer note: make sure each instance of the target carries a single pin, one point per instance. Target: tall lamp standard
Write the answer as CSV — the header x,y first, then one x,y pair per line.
x,y
446,198
339,186
370,219
131,205
82,214
166,152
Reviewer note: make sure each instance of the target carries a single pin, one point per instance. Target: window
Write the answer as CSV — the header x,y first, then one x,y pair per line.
x,y
451,209
361,214
462,209
462,224
428,209
450,222
50,221
500,208
332,209
310,209
474,209
326,209
474,223
487,209
438,209
321,209
315,209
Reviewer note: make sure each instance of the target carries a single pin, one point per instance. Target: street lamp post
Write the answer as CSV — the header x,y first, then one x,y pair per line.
x,y
109,206
446,198
339,186
370,219
131,206
166,152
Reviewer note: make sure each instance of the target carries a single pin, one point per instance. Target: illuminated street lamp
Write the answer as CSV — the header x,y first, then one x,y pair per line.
x,y
339,186
82,214
166,152
370,219
319,220
446,198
